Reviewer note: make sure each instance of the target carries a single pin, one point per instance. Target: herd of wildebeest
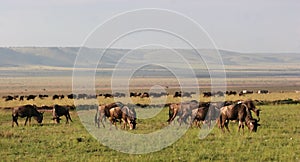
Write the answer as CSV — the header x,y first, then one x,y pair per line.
x,y
189,112
132,94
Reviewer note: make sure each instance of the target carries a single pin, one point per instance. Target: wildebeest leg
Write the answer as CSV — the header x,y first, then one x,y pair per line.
x,y
67,122
173,117
26,120
15,120
102,118
29,122
97,119
241,125
68,114
226,122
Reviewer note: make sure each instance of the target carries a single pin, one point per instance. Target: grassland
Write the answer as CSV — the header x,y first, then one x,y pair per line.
x,y
276,140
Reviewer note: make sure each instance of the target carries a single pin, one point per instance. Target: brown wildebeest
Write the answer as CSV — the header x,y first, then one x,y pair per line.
x,y
125,114
59,111
240,112
100,115
183,110
204,114
110,106
27,111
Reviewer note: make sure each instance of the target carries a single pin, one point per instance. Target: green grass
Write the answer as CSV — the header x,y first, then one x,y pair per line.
x,y
276,140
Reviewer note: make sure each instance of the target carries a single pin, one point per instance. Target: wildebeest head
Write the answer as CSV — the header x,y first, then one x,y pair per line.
x,y
39,117
131,115
253,125
132,123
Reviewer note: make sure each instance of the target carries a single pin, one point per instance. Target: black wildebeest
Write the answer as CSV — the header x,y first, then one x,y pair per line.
x,y
145,95
240,111
31,97
177,94
27,111
263,91
21,98
8,98
244,92
71,96
54,97
59,111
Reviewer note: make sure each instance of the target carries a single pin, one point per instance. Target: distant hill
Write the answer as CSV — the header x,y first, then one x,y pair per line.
x,y
65,57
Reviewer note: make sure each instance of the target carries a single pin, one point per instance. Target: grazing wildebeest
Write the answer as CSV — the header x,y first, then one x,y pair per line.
x,y
239,111
8,98
145,95
177,94
244,92
187,94
59,111
100,115
263,91
204,114
107,95
21,98
31,97
61,96
135,94
110,106
207,94
183,110
27,111
54,97
71,96
82,96
125,114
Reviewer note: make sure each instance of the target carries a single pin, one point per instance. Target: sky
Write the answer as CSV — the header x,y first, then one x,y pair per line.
x,y
237,25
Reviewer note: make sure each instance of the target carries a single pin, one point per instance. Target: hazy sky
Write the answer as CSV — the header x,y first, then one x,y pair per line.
x,y
239,25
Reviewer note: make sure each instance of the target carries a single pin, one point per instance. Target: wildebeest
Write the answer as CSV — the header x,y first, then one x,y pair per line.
x,y
100,115
71,96
8,98
118,94
21,98
263,91
183,110
42,96
31,97
187,94
82,96
107,95
124,113
134,94
207,94
27,111
59,111
145,95
204,114
177,94
243,92
54,97
231,92
240,111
